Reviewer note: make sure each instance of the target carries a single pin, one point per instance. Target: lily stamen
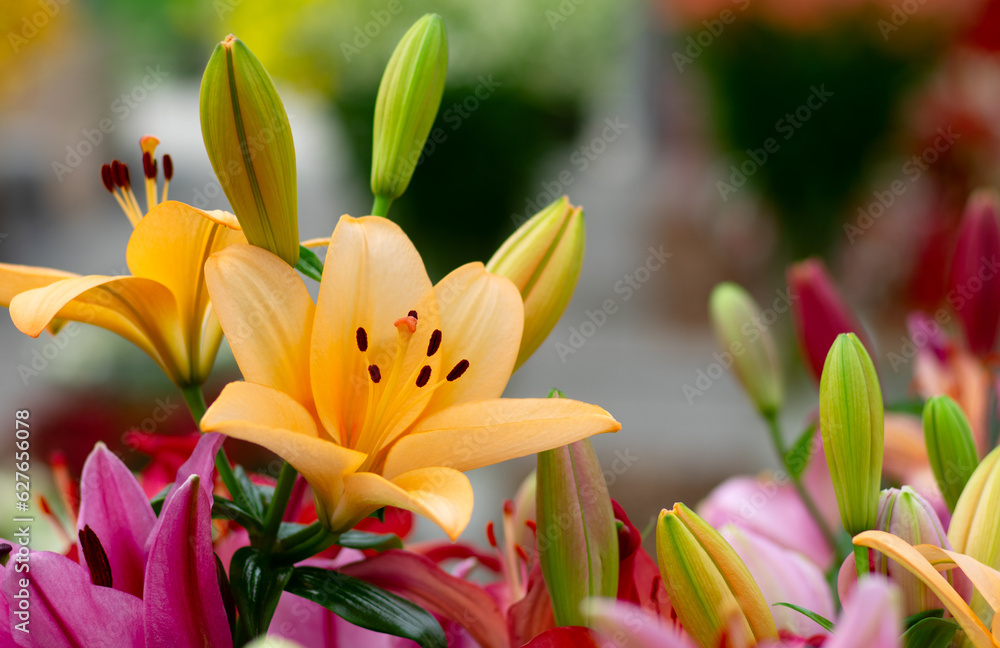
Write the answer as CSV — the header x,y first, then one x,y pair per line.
x,y
116,178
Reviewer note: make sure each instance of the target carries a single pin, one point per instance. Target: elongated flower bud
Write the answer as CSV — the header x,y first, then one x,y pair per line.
x,y
975,526
249,143
974,287
905,514
950,447
543,258
710,588
738,327
408,101
577,537
820,313
851,420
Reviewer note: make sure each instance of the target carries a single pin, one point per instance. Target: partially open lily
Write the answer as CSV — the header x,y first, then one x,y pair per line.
x,y
162,307
388,387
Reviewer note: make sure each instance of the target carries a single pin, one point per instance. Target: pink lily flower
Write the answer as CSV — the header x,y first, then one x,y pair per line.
x,y
143,581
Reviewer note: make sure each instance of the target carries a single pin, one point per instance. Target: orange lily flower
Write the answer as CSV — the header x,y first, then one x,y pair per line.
x,y
387,388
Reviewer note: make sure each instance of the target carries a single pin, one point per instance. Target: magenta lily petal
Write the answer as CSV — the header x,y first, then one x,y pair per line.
x,y
114,506
871,618
421,581
631,625
201,462
68,611
183,605
974,288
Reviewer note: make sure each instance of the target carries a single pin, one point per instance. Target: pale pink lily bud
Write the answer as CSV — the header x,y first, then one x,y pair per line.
x,y
973,283
905,514
871,618
820,313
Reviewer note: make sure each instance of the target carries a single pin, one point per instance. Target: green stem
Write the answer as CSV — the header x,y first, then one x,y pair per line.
x,y
381,206
779,446
196,404
309,548
300,537
279,502
861,559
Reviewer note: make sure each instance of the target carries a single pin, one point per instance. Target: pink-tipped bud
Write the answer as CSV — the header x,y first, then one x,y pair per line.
x,y
820,313
973,284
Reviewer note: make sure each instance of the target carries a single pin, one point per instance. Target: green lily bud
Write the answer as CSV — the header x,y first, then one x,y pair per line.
x,y
577,538
249,143
851,420
543,258
710,588
950,447
737,321
408,100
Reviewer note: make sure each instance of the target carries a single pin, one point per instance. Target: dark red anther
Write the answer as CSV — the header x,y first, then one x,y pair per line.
x,y
490,535
434,343
107,178
96,557
459,369
148,166
412,314
375,373
168,168
532,526
522,553
362,338
424,376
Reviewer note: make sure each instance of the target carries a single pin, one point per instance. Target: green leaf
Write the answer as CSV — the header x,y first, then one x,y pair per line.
x,y
309,264
825,623
378,515
366,540
249,497
367,606
913,619
224,509
930,633
798,456
257,586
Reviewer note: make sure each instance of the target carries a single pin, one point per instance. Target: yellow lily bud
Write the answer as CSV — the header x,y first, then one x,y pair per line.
x,y
851,420
408,100
543,258
710,588
577,537
249,143
736,318
950,448
975,525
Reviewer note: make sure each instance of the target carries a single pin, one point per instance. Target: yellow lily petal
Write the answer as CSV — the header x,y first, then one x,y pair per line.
x,y
472,435
984,579
917,564
264,307
170,245
482,317
373,276
442,495
140,310
323,241
16,279
269,418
